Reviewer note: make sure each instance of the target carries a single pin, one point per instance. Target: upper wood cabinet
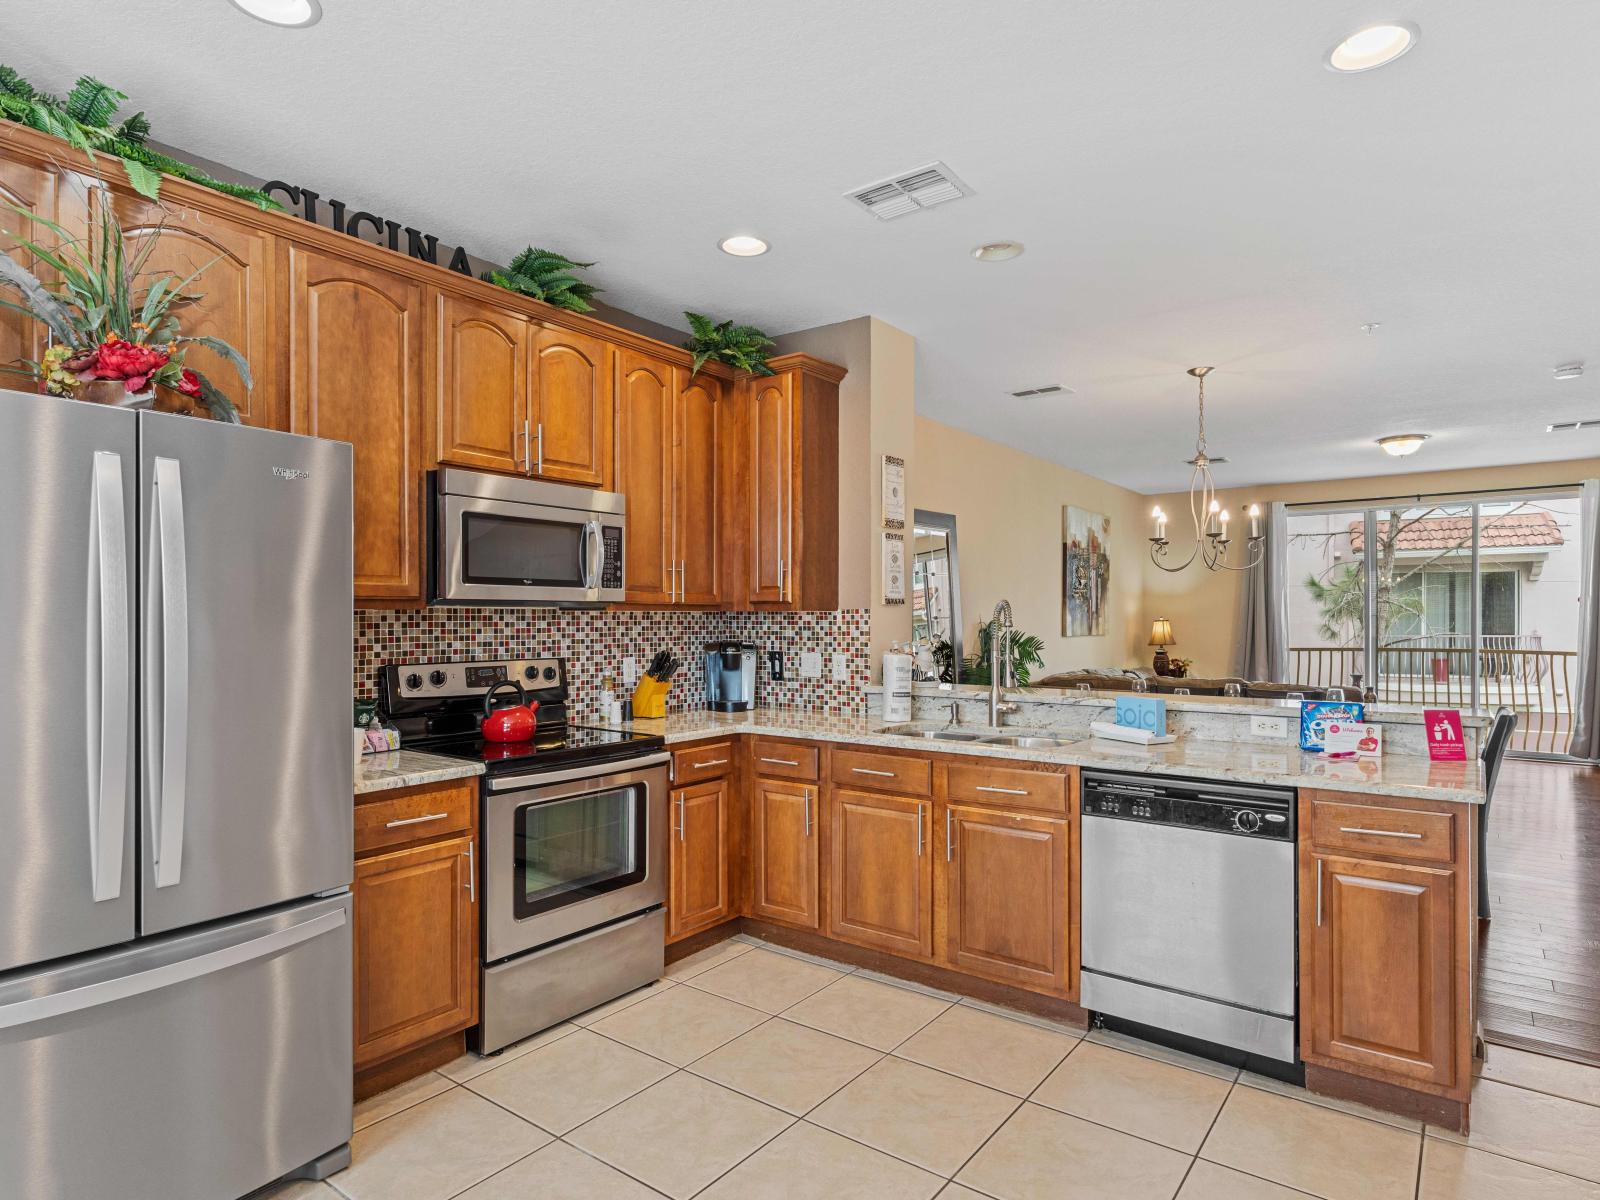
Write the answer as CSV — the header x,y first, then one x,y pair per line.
x,y
699,895
481,408
881,874
355,362
698,419
570,407
784,857
21,337
791,483
644,476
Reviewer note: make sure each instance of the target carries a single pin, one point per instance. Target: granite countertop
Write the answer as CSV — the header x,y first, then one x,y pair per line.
x,y
409,768
1283,765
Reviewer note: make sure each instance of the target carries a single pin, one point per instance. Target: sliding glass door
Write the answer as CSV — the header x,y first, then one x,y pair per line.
x,y
1460,602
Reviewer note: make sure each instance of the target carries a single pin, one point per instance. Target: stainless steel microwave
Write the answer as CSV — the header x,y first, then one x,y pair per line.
x,y
500,540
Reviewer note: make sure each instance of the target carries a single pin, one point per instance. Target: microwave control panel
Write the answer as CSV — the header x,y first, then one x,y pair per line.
x,y
611,565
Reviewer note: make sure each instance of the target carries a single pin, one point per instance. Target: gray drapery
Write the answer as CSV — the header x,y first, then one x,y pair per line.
x,y
1586,699
1263,653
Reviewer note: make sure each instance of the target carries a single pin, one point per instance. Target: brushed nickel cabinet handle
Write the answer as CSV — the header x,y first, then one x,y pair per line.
x,y
422,820
1000,791
782,762
871,771
919,830
714,762
540,436
1319,893
1394,833
680,816
472,876
949,844
807,794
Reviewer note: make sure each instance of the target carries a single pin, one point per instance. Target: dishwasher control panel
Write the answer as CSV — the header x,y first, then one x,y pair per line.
x,y
1266,813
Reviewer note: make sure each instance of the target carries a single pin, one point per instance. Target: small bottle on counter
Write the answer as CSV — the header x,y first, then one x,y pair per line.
x,y
896,685
608,696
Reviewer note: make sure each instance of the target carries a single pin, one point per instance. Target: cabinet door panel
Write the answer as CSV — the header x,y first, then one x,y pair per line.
x,y
355,354
771,490
415,948
696,473
881,889
482,402
570,407
1007,896
785,859
644,475
21,337
1381,988
699,858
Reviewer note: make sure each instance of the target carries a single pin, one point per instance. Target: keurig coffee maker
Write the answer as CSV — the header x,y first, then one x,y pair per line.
x,y
731,676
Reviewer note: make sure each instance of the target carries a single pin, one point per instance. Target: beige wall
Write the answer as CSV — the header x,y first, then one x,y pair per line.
x,y
1204,606
1007,507
894,425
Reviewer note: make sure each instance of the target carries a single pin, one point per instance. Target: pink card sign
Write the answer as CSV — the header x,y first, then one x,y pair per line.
x,y
1443,727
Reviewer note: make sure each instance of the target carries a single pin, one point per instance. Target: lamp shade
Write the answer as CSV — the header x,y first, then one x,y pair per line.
x,y
1161,633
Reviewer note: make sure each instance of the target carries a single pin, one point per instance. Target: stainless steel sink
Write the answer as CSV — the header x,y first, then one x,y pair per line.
x,y
938,735
1025,742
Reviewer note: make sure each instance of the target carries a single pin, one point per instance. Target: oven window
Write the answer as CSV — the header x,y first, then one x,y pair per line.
x,y
570,849
521,550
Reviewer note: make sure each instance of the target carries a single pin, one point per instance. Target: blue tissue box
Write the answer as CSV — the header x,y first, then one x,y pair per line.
x,y
1143,712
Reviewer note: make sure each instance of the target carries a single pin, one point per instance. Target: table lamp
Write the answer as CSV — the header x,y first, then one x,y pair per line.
x,y
1161,637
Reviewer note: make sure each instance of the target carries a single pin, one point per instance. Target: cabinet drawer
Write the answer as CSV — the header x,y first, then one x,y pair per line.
x,y
414,815
784,760
1390,832
705,760
1009,787
883,772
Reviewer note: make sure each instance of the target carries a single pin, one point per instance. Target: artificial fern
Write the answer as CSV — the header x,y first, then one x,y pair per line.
x,y
743,347
546,275
87,117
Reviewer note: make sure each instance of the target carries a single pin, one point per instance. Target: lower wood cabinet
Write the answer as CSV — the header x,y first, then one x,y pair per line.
x,y
881,873
416,947
1005,883
699,894
784,852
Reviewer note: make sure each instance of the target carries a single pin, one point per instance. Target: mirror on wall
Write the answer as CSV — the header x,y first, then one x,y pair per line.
x,y
935,598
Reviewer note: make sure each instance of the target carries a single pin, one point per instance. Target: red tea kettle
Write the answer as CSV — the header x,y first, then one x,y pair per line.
x,y
513,723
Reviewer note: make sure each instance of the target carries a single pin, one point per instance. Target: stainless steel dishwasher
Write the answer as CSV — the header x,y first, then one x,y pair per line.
x,y
1189,910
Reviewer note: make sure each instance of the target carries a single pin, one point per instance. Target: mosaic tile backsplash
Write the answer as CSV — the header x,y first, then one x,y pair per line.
x,y
595,643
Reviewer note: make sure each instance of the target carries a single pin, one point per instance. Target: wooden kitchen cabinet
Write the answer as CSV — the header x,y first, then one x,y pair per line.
x,y
34,189
697,424
1007,899
355,353
481,401
699,894
569,406
644,476
416,947
784,852
881,872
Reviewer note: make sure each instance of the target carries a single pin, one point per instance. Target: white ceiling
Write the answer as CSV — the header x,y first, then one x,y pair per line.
x,y
1192,185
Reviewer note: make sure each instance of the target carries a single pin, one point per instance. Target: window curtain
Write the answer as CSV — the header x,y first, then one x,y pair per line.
x,y
1263,653
1586,700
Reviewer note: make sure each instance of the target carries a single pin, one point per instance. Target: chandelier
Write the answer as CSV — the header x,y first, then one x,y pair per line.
x,y
1211,540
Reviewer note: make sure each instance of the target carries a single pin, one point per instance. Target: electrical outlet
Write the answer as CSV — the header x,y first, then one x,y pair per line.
x,y
1269,727
630,671
810,665
841,668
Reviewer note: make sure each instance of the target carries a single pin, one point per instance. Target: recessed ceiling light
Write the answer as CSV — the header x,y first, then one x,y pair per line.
x,y
295,14
1372,327
1373,47
996,251
743,245
1569,371
1401,444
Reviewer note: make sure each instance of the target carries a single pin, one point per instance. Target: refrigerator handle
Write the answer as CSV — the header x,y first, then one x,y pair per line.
x,y
108,991
109,675
166,698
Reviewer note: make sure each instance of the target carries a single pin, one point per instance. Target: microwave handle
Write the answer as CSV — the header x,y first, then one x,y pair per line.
x,y
592,548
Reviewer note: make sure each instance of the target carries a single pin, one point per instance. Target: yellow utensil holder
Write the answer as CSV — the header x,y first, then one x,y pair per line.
x,y
650,697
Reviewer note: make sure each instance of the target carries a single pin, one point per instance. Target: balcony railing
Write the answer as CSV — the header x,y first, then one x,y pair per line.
x,y
1437,673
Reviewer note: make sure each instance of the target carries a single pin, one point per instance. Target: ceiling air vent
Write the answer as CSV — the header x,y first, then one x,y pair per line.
x,y
921,188
1047,390
1571,426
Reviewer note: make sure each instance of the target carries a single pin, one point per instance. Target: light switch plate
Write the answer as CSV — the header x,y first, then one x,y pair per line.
x,y
841,668
1269,727
810,665
630,671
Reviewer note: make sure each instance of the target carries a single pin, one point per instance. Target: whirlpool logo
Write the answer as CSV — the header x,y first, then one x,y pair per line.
x,y
290,473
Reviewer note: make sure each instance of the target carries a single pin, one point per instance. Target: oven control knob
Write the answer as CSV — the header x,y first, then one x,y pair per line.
x,y
437,678
413,681
530,673
1247,820
549,674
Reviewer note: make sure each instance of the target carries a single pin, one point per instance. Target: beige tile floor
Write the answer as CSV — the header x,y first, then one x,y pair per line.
x,y
752,1073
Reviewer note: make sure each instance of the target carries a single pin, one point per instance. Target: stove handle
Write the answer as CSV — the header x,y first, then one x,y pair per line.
x,y
596,771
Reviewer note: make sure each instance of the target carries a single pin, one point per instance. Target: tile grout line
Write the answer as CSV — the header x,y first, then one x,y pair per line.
x,y
1215,1117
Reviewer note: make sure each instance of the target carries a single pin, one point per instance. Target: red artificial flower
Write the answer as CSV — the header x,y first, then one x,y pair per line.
x,y
131,362
189,384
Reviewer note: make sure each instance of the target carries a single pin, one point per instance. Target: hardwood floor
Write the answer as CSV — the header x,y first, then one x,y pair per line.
x,y
1539,978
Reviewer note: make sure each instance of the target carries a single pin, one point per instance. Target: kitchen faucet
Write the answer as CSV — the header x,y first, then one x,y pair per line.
x,y
1000,663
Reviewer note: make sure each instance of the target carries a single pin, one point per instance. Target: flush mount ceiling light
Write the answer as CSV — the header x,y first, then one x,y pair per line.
x,y
1398,445
743,245
996,251
293,14
1373,47
1569,371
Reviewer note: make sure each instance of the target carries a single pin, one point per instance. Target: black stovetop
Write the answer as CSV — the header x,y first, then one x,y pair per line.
x,y
552,746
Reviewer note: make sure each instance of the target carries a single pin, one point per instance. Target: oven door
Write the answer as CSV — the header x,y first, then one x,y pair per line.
x,y
565,851
509,552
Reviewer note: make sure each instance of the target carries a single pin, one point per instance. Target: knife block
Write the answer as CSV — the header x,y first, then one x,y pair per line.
x,y
650,697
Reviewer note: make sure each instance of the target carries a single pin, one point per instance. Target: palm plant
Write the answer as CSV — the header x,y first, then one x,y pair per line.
x,y
87,118
743,347
1026,651
546,275
111,321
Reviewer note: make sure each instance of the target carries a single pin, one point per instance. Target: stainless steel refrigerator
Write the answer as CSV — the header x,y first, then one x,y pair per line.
x,y
175,804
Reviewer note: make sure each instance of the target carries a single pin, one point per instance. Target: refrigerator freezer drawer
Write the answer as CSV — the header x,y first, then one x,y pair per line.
x,y
197,1066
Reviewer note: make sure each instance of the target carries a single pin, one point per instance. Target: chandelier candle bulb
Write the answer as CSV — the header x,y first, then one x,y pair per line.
x,y
1222,520
1254,513
1161,525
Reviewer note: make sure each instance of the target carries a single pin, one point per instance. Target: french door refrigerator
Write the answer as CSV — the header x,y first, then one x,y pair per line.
x,y
175,804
